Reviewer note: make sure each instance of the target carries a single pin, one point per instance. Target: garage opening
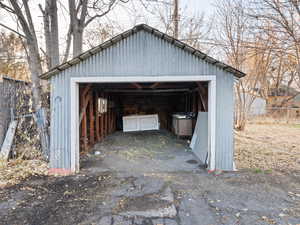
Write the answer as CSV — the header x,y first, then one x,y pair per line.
x,y
168,108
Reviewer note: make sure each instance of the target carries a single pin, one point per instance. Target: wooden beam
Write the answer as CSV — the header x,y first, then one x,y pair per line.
x,y
203,96
84,107
138,86
202,101
86,89
201,87
153,86
147,91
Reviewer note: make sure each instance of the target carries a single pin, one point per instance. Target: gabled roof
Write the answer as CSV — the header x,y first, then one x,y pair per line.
x,y
130,32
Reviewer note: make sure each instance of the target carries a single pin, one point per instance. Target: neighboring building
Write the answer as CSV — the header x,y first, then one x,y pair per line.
x,y
258,107
140,61
284,101
277,96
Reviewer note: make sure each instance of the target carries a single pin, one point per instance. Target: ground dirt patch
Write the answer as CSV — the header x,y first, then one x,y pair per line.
x,y
264,147
17,170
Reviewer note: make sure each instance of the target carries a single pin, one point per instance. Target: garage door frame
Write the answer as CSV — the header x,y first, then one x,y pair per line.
x,y
74,95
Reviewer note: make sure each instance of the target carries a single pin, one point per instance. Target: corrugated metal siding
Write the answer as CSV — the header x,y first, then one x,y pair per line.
x,y
224,122
142,54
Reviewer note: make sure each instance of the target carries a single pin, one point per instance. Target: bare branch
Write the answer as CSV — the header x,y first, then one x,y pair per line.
x,y
6,7
12,30
110,6
68,46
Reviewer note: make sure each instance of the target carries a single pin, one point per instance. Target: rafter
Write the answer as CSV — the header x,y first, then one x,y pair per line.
x,y
138,86
153,86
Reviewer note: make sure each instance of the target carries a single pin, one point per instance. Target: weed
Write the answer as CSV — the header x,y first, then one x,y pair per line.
x,y
269,171
258,170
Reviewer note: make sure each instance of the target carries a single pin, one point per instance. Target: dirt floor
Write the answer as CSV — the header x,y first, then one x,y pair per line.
x,y
152,178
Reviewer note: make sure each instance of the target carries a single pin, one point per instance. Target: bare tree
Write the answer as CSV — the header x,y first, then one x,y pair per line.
x,y
12,57
260,37
21,11
196,31
178,22
280,19
82,13
232,31
51,32
98,34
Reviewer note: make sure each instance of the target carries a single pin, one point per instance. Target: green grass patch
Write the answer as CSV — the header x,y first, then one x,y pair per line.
x,y
269,171
257,170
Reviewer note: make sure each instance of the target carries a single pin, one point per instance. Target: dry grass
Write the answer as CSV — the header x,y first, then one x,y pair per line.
x,y
15,171
268,146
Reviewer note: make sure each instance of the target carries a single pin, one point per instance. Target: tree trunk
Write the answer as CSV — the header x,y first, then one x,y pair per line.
x,y
40,115
35,70
77,41
77,27
176,19
51,33
54,33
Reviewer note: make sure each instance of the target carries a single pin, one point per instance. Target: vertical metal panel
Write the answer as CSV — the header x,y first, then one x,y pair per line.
x,y
147,55
199,142
224,123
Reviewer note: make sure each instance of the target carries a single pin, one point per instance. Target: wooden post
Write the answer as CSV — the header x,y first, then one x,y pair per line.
x,y
101,121
104,120
194,109
84,124
111,117
92,119
106,117
97,116
108,114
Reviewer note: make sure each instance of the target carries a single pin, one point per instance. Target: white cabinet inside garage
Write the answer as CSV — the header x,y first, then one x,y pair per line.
x,y
140,122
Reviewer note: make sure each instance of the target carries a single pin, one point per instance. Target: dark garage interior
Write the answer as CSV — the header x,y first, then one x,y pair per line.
x,y
105,106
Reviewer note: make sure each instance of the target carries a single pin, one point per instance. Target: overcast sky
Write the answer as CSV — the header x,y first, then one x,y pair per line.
x,y
120,15
192,6
199,5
